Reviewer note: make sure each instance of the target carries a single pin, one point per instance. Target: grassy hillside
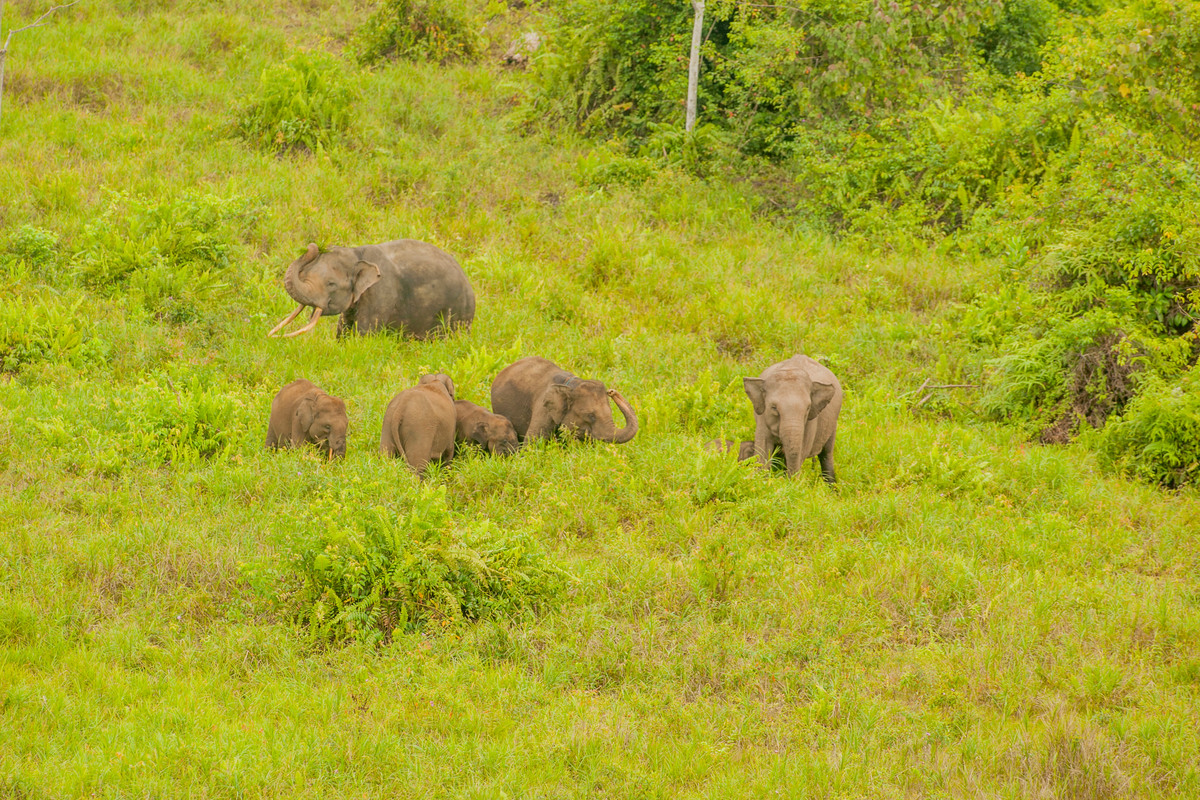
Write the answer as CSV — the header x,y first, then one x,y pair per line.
x,y
965,614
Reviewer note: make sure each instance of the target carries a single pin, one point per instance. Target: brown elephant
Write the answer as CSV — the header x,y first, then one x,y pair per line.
x,y
796,405
302,413
745,450
540,398
491,431
405,285
418,424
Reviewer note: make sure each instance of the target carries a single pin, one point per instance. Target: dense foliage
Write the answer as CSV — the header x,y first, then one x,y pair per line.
x,y
302,103
375,569
420,30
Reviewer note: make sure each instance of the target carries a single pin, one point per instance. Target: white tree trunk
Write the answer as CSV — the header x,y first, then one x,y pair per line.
x,y
694,64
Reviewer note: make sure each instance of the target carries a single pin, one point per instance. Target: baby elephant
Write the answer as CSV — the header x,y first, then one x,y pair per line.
x,y
492,431
419,423
301,413
796,405
745,450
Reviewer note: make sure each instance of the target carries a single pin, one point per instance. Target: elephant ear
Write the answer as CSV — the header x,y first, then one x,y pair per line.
x,y
821,394
756,390
302,419
366,275
480,432
557,400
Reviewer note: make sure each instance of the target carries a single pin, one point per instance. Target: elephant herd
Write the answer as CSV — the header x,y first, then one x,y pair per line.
x,y
424,423
421,291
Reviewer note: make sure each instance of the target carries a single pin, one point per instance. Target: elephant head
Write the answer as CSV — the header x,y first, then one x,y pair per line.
x,y
497,434
330,283
321,420
438,378
788,404
581,407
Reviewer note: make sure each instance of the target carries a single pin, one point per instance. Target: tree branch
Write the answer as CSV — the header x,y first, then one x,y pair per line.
x,y
37,23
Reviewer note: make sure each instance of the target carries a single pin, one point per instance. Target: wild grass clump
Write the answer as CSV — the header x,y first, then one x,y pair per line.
x,y
1157,439
170,258
48,329
30,251
303,105
420,30
377,569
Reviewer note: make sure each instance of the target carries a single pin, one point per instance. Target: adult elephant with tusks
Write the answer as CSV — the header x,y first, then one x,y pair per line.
x,y
540,398
405,285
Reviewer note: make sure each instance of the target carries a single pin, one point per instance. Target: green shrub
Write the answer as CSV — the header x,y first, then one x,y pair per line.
x,y
47,329
419,30
1013,44
375,569
29,250
170,258
163,422
303,105
1157,439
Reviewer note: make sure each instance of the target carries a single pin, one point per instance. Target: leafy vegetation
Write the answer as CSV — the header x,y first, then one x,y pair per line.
x,y
303,104
433,30
377,570
967,613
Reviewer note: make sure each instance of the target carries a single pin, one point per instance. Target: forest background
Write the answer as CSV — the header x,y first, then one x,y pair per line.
x,y
981,215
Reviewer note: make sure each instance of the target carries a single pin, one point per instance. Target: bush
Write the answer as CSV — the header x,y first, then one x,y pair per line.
x,y
47,329
171,258
419,30
30,250
303,104
168,423
1157,439
375,569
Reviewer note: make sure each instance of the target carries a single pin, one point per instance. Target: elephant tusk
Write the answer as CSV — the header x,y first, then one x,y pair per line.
x,y
312,323
286,320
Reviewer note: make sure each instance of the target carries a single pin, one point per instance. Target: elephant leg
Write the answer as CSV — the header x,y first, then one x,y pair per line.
x,y
388,442
764,445
826,459
417,448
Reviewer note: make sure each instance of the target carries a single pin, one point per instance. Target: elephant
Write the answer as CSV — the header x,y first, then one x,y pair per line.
x,y
745,450
302,413
796,405
418,424
491,431
540,398
405,285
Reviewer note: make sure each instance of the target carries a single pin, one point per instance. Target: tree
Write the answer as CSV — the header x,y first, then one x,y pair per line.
x,y
37,23
694,64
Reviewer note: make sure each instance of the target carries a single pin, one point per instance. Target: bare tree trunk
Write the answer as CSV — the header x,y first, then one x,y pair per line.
x,y
3,53
694,64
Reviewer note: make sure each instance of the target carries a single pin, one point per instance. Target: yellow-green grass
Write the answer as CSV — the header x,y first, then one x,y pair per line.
x,y
964,615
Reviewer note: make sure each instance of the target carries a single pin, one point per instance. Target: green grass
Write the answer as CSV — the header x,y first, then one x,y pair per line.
x,y
965,614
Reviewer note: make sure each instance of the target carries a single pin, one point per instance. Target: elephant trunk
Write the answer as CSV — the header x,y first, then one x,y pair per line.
x,y
631,424
294,285
791,439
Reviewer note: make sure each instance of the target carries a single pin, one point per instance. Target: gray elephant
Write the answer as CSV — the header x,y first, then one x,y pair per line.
x,y
491,431
540,398
302,413
418,424
796,404
405,285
